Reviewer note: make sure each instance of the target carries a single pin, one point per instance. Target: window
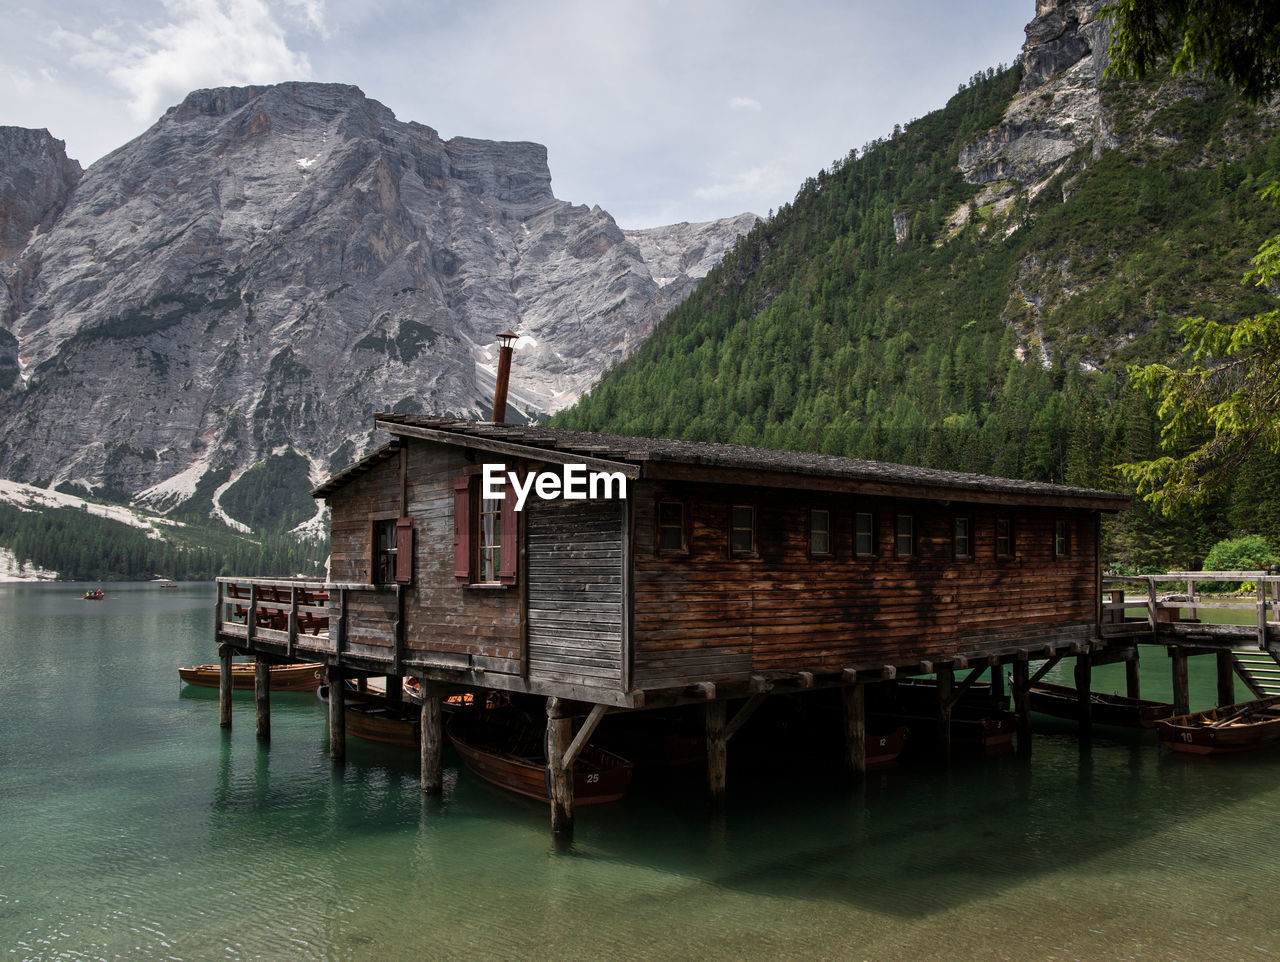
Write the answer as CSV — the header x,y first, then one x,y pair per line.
x,y
1004,538
384,552
485,534
819,533
1061,539
742,530
962,542
672,537
489,545
393,551
864,534
905,537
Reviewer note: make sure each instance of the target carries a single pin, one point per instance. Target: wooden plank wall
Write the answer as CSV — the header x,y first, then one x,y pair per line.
x,y
575,585
444,622
711,616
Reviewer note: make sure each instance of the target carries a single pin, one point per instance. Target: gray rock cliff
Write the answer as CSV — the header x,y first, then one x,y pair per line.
x,y
266,267
35,179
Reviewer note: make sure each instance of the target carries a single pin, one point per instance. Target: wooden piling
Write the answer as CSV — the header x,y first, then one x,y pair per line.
x,y
1132,683
1226,679
999,697
337,714
1084,691
431,746
559,777
1181,687
946,689
262,698
854,699
717,752
224,686
1022,704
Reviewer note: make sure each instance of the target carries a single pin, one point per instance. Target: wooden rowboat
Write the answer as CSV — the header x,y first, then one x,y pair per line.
x,y
1235,728
990,731
1061,702
496,747
883,749
307,676
375,718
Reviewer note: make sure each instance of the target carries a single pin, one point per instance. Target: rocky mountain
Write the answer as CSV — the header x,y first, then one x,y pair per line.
x,y
266,267
35,180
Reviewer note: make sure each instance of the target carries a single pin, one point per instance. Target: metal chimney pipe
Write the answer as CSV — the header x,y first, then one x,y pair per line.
x,y
507,340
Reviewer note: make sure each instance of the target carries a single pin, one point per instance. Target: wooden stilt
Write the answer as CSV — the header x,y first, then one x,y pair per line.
x,y
337,714
559,777
224,686
854,699
1181,688
1132,684
1084,691
999,699
395,690
1226,679
432,745
946,688
717,751
1022,704
262,698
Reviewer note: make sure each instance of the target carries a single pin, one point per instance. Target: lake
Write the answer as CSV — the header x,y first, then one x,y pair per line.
x,y
133,827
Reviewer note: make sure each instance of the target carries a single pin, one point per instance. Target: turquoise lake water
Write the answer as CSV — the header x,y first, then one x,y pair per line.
x,y
133,827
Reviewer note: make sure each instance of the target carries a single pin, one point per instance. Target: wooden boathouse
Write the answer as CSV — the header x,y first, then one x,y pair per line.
x,y
637,573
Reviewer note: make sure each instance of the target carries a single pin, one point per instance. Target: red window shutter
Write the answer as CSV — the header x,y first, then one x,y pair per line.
x,y
508,558
404,551
462,530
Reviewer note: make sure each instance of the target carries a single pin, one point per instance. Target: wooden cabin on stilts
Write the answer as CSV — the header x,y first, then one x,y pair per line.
x,y
605,574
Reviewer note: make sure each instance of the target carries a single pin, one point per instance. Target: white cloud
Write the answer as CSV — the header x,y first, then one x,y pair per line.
x,y
744,103
200,43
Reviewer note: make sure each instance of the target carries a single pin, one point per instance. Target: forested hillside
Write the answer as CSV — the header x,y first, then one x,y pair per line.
x,y
83,547
980,337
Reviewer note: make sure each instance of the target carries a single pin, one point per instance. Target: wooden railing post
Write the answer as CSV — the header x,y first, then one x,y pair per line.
x,y
293,618
1151,609
1262,612
251,619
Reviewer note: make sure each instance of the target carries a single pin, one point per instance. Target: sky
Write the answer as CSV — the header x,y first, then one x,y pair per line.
x,y
659,111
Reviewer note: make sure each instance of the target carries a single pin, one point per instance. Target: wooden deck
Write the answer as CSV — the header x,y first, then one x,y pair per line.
x,y
1166,610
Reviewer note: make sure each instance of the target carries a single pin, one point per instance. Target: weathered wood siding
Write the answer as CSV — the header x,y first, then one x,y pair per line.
x,y
710,616
574,566
444,623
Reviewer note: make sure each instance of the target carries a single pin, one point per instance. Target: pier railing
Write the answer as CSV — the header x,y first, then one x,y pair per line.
x,y
277,610
1170,605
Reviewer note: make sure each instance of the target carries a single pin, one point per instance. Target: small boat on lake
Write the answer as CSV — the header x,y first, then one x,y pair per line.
x,y
93,594
369,714
883,749
1061,702
989,731
374,717
501,749
1235,728
306,676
